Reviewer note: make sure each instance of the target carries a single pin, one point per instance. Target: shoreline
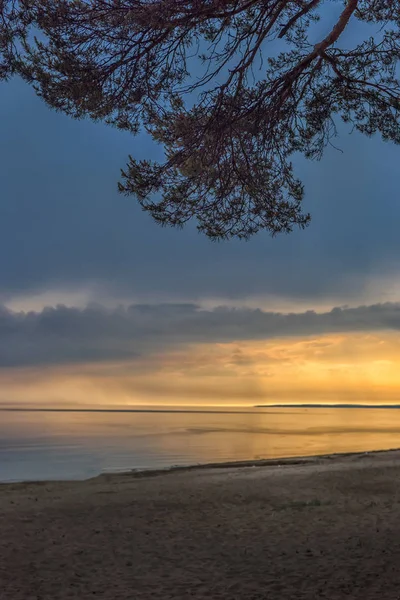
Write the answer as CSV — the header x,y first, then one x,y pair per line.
x,y
312,459
263,463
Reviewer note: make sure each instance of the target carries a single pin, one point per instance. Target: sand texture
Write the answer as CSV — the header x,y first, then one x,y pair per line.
x,y
323,528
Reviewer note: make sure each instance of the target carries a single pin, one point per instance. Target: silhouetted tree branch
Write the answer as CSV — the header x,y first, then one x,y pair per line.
x,y
232,89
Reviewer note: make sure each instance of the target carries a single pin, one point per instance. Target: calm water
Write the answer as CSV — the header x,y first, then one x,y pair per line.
x,y
64,445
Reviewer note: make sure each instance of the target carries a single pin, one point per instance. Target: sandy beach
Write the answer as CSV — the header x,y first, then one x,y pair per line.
x,y
325,527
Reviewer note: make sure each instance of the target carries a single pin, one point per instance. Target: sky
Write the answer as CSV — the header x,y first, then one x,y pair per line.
x,y
101,306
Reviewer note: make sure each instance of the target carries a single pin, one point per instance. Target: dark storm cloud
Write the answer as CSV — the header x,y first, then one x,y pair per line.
x,y
69,335
62,224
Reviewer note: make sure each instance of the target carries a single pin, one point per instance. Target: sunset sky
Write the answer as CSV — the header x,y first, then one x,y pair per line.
x,y
101,307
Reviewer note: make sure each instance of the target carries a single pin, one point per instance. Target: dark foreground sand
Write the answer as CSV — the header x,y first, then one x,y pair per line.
x,y
325,528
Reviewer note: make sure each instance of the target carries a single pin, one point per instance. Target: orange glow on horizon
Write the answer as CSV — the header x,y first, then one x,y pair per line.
x,y
356,368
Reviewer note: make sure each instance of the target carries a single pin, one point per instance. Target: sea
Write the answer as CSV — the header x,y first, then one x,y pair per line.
x,y
78,444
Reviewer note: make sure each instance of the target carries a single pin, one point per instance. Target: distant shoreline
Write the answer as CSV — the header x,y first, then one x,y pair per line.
x,y
383,406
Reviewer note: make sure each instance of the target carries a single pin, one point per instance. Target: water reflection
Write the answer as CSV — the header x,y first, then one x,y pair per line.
x,y
51,445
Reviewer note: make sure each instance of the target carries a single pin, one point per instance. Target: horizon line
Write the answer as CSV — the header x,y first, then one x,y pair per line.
x,y
243,410
196,409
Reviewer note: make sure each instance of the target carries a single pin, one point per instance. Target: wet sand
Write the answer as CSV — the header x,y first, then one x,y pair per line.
x,y
327,527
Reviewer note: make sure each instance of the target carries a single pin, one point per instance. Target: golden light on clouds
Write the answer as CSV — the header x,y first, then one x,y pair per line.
x,y
355,368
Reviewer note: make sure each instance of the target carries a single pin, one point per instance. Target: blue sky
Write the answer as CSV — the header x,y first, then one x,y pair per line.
x,y
65,232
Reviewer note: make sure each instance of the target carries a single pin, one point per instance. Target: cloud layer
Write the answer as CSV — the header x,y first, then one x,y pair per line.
x,y
63,335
